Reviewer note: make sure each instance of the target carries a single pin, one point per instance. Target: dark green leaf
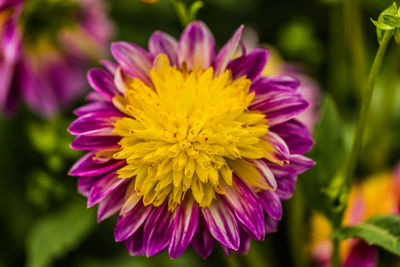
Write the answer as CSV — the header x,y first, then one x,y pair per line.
x,y
383,231
56,235
322,184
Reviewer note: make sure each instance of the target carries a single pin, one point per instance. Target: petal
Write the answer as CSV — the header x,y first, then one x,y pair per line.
x,y
202,240
296,136
297,165
184,227
361,255
110,66
85,166
85,142
263,168
222,224
103,187
268,85
95,123
133,59
134,244
246,208
158,230
111,204
281,150
162,43
102,83
279,107
96,106
85,183
286,187
271,225
245,241
127,225
227,52
250,65
196,46
271,203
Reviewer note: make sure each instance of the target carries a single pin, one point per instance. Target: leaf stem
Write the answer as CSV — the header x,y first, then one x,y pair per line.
x,y
363,117
335,258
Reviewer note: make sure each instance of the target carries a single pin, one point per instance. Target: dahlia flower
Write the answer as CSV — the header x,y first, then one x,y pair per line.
x,y
45,48
188,145
382,188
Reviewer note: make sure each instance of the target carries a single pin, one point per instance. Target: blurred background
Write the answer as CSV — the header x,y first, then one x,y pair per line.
x,y
43,219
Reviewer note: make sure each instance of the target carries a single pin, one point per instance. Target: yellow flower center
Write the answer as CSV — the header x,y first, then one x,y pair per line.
x,y
186,132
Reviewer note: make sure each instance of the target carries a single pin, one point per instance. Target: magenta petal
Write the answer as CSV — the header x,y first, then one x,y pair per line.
x,y
85,183
246,208
95,123
102,83
184,227
134,244
85,166
85,142
202,240
111,67
267,85
128,224
296,136
264,169
162,43
245,241
133,59
222,224
103,187
111,204
94,96
281,150
286,187
227,52
158,230
250,65
297,165
361,255
96,106
271,203
271,225
196,46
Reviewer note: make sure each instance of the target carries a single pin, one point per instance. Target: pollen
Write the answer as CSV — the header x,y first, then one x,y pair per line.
x,y
186,132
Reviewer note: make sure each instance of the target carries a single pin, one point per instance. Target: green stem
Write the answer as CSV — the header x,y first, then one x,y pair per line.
x,y
335,258
363,117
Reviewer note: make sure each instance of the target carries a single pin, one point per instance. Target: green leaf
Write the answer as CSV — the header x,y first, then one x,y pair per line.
x,y
56,235
381,23
323,185
383,231
391,20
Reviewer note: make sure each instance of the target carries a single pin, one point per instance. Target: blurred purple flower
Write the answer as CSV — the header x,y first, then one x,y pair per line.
x,y
188,145
45,49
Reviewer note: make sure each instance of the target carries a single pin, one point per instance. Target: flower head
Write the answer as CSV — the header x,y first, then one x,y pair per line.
x,y
45,47
189,146
382,188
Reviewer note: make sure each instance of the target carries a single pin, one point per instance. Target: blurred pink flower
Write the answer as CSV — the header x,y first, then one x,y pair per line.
x,y
45,49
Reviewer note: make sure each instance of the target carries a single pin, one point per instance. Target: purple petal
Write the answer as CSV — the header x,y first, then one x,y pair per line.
x,y
297,165
250,65
202,240
158,230
162,43
85,183
134,244
281,150
222,224
227,52
246,208
95,123
245,241
112,203
279,107
103,187
263,168
102,83
96,106
271,203
361,255
128,224
271,225
133,59
296,136
85,166
267,85
196,46
184,227
286,187
94,96
85,142
111,67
